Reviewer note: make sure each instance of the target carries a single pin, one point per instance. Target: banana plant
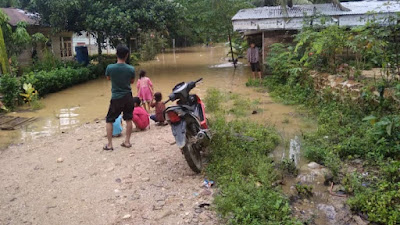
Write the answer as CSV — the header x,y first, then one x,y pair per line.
x,y
30,92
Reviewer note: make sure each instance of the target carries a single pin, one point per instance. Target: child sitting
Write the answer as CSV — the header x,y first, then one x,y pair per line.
x,y
160,107
140,115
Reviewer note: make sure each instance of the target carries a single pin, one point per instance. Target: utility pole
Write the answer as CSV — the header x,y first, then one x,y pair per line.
x,y
230,43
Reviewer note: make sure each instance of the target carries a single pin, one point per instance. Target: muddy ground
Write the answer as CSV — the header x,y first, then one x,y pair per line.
x,y
68,179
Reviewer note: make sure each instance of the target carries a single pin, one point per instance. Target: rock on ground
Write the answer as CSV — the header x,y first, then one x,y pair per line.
x,y
149,183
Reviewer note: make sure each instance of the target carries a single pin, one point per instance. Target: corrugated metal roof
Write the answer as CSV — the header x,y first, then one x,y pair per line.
x,y
19,15
357,8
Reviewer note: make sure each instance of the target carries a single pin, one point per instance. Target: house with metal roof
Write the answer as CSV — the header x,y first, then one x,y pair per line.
x,y
268,25
60,43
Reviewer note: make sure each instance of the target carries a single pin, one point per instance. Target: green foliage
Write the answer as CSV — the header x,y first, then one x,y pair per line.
x,y
50,62
3,53
16,39
209,20
283,62
213,100
320,47
239,47
46,82
368,129
288,166
10,88
153,44
381,202
31,96
304,190
240,165
30,92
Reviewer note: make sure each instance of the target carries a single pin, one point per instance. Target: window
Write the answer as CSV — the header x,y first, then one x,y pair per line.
x,y
66,47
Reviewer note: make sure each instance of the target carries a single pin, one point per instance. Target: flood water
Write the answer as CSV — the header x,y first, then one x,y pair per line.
x,y
89,101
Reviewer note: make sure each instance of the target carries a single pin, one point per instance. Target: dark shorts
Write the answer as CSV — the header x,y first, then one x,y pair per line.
x,y
255,67
117,106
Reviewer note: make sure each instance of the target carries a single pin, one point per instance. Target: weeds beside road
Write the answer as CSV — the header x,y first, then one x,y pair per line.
x,y
242,169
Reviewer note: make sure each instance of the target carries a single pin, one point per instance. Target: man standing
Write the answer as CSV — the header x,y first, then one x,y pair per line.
x,y
122,76
253,59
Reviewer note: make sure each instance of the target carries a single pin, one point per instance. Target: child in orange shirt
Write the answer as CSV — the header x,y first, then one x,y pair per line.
x,y
160,107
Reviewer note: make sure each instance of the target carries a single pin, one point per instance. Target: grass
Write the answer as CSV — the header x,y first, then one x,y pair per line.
x,y
344,134
242,169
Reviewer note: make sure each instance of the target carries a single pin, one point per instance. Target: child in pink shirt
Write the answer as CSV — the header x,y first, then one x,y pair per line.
x,y
140,116
145,90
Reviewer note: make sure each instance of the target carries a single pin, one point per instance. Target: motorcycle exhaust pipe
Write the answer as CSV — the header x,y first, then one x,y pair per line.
x,y
203,137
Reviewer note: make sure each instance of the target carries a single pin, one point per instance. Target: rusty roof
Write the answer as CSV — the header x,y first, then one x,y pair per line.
x,y
299,11
19,15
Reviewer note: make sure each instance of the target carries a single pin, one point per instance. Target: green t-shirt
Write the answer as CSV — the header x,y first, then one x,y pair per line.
x,y
120,75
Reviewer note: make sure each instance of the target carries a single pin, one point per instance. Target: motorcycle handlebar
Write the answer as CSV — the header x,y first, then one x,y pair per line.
x,y
191,85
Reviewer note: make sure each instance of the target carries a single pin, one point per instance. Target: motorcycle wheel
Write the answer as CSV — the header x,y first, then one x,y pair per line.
x,y
192,156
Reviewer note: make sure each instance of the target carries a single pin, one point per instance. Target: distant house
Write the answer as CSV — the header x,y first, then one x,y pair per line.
x,y
269,25
90,41
60,44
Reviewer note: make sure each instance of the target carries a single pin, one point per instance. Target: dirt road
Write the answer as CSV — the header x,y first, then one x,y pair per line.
x,y
69,179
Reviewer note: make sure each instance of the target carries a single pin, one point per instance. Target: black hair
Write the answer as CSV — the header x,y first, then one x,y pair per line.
x,y
122,51
158,96
137,100
142,74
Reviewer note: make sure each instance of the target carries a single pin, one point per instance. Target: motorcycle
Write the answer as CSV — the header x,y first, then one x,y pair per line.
x,y
188,123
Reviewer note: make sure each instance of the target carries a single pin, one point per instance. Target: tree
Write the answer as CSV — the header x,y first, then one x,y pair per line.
x,y
211,19
118,20
69,15
16,39
9,3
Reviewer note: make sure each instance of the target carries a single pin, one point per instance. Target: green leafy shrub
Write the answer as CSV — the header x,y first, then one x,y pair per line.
x,y
381,202
46,82
10,88
304,190
288,166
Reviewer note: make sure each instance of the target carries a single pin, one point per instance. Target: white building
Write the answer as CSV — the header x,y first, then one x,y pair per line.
x,y
268,25
90,41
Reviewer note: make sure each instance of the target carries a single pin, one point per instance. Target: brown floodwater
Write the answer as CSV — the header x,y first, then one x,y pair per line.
x,y
89,101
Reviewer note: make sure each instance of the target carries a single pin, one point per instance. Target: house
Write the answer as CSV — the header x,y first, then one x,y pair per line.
x,y
60,43
84,38
268,25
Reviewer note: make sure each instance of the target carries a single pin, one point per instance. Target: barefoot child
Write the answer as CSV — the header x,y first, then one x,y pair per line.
x,y
145,90
160,107
140,116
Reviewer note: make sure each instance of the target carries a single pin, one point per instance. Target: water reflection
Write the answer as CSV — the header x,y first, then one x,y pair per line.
x,y
68,117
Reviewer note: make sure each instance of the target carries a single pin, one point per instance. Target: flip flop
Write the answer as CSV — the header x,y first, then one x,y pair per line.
x,y
106,148
126,146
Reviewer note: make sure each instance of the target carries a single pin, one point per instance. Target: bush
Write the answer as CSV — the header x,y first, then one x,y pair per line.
x,y
10,88
46,82
50,62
